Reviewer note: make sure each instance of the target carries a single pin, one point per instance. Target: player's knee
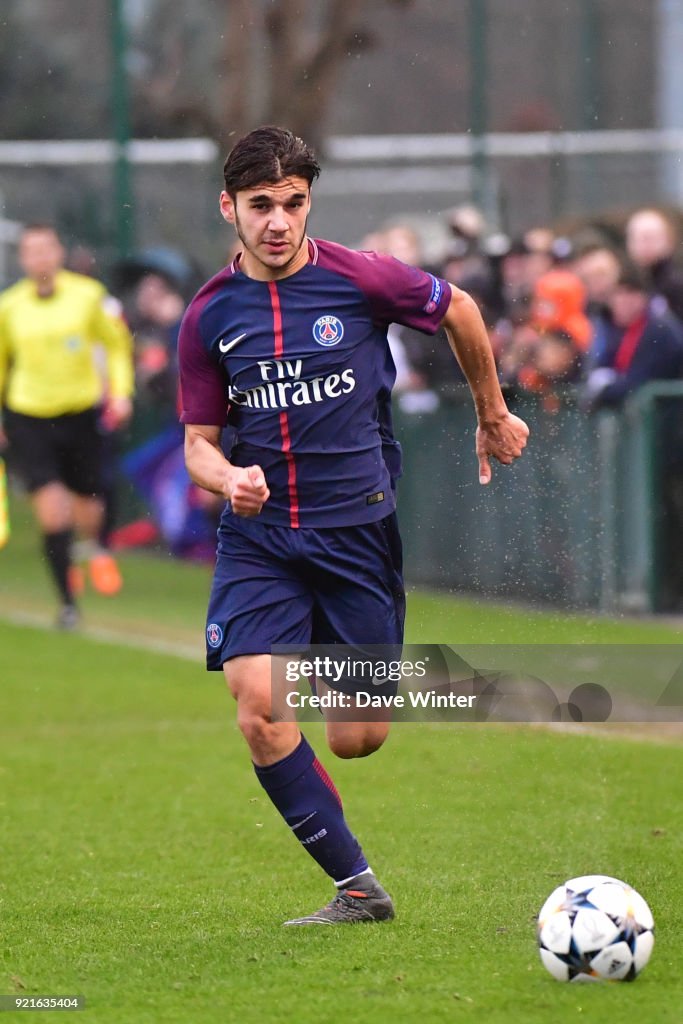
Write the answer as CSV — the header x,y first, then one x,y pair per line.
x,y
256,728
357,744
268,741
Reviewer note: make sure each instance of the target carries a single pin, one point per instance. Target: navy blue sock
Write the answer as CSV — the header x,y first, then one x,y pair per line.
x,y
306,797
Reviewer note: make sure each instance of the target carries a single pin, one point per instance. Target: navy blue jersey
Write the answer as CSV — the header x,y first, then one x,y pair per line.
x,y
301,369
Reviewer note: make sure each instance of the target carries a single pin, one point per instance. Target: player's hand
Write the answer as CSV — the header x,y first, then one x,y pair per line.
x,y
503,439
116,413
247,490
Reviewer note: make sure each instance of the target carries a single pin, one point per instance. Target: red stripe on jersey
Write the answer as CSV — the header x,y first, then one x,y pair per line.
x,y
291,471
284,421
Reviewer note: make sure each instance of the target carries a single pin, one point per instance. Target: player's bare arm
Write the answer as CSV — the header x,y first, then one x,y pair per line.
x,y
117,412
244,487
500,434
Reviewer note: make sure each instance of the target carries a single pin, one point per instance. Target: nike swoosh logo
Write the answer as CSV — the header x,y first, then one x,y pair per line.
x,y
303,821
225,346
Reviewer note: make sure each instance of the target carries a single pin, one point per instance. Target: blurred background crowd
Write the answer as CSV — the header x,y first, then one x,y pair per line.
x,y
596,310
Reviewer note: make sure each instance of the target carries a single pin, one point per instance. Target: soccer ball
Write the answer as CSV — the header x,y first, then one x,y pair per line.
x,y
595,928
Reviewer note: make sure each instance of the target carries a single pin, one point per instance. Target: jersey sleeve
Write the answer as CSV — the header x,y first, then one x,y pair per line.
x,y
203,399
401,294
109,327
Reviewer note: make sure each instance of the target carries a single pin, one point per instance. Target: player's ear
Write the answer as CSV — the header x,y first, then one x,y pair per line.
x,y
227,207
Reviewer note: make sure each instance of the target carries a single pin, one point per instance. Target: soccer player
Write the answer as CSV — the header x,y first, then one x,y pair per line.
x,y
290,341
55,399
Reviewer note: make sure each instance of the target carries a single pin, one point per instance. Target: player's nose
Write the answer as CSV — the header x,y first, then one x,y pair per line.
x,y
277,221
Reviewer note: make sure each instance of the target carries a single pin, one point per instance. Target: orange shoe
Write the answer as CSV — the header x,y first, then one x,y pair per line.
x,y
76,580
104,575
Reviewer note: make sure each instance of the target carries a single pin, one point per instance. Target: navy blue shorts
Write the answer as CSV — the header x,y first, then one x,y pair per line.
x,y
278,585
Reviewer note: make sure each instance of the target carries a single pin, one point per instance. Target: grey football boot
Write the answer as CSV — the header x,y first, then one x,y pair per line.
x,y
362,899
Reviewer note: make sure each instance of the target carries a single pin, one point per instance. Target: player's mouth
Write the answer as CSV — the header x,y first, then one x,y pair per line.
x,y
276,245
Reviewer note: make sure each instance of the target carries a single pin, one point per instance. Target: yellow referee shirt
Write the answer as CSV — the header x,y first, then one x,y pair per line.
x,y
47,347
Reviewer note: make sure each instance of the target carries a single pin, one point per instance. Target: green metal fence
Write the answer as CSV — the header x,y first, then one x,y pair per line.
x,y
591,517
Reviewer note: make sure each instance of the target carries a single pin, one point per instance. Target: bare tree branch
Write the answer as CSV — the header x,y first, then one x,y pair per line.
x,y
274,61
234,107
312,90
283,30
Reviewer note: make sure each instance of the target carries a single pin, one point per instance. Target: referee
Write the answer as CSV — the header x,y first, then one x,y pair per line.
x,y
55,397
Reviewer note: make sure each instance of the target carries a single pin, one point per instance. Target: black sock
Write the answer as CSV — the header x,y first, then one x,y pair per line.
x,y
57,548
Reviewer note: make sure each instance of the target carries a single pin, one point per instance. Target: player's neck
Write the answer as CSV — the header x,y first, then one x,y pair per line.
x,y
45,286
258,271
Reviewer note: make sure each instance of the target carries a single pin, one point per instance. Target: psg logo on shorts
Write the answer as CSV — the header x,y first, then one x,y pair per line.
x,y
214,635
328,330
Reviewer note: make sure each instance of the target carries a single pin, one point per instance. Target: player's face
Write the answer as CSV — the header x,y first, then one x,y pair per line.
x,y
271,223
41,255
627,306
649,238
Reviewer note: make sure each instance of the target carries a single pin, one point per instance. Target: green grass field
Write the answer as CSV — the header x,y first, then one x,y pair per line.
x,y
142,866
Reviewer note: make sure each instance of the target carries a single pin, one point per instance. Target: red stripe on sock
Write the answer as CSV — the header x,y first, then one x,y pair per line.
x,y
327,780
284,421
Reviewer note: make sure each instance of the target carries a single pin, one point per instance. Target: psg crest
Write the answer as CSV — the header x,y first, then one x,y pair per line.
x,y
328,331
214,635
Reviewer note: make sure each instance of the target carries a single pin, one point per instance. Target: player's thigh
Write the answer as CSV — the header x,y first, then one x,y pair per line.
x,y
33,452
250,683
249,680
258,598
359,592
80,452
359,616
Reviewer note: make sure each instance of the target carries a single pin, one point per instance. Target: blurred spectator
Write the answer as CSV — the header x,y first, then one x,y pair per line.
x,y
514,281
598,268
646,344
402,242
466,222
556,360
540,361
558,304
465,253
548,350
651,244
517,352
170,264
540,244
157,312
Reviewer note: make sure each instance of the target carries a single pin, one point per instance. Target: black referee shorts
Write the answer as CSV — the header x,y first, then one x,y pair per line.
x,y
65,449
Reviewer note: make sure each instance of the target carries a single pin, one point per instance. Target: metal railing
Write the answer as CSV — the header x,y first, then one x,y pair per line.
x,y
590,517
